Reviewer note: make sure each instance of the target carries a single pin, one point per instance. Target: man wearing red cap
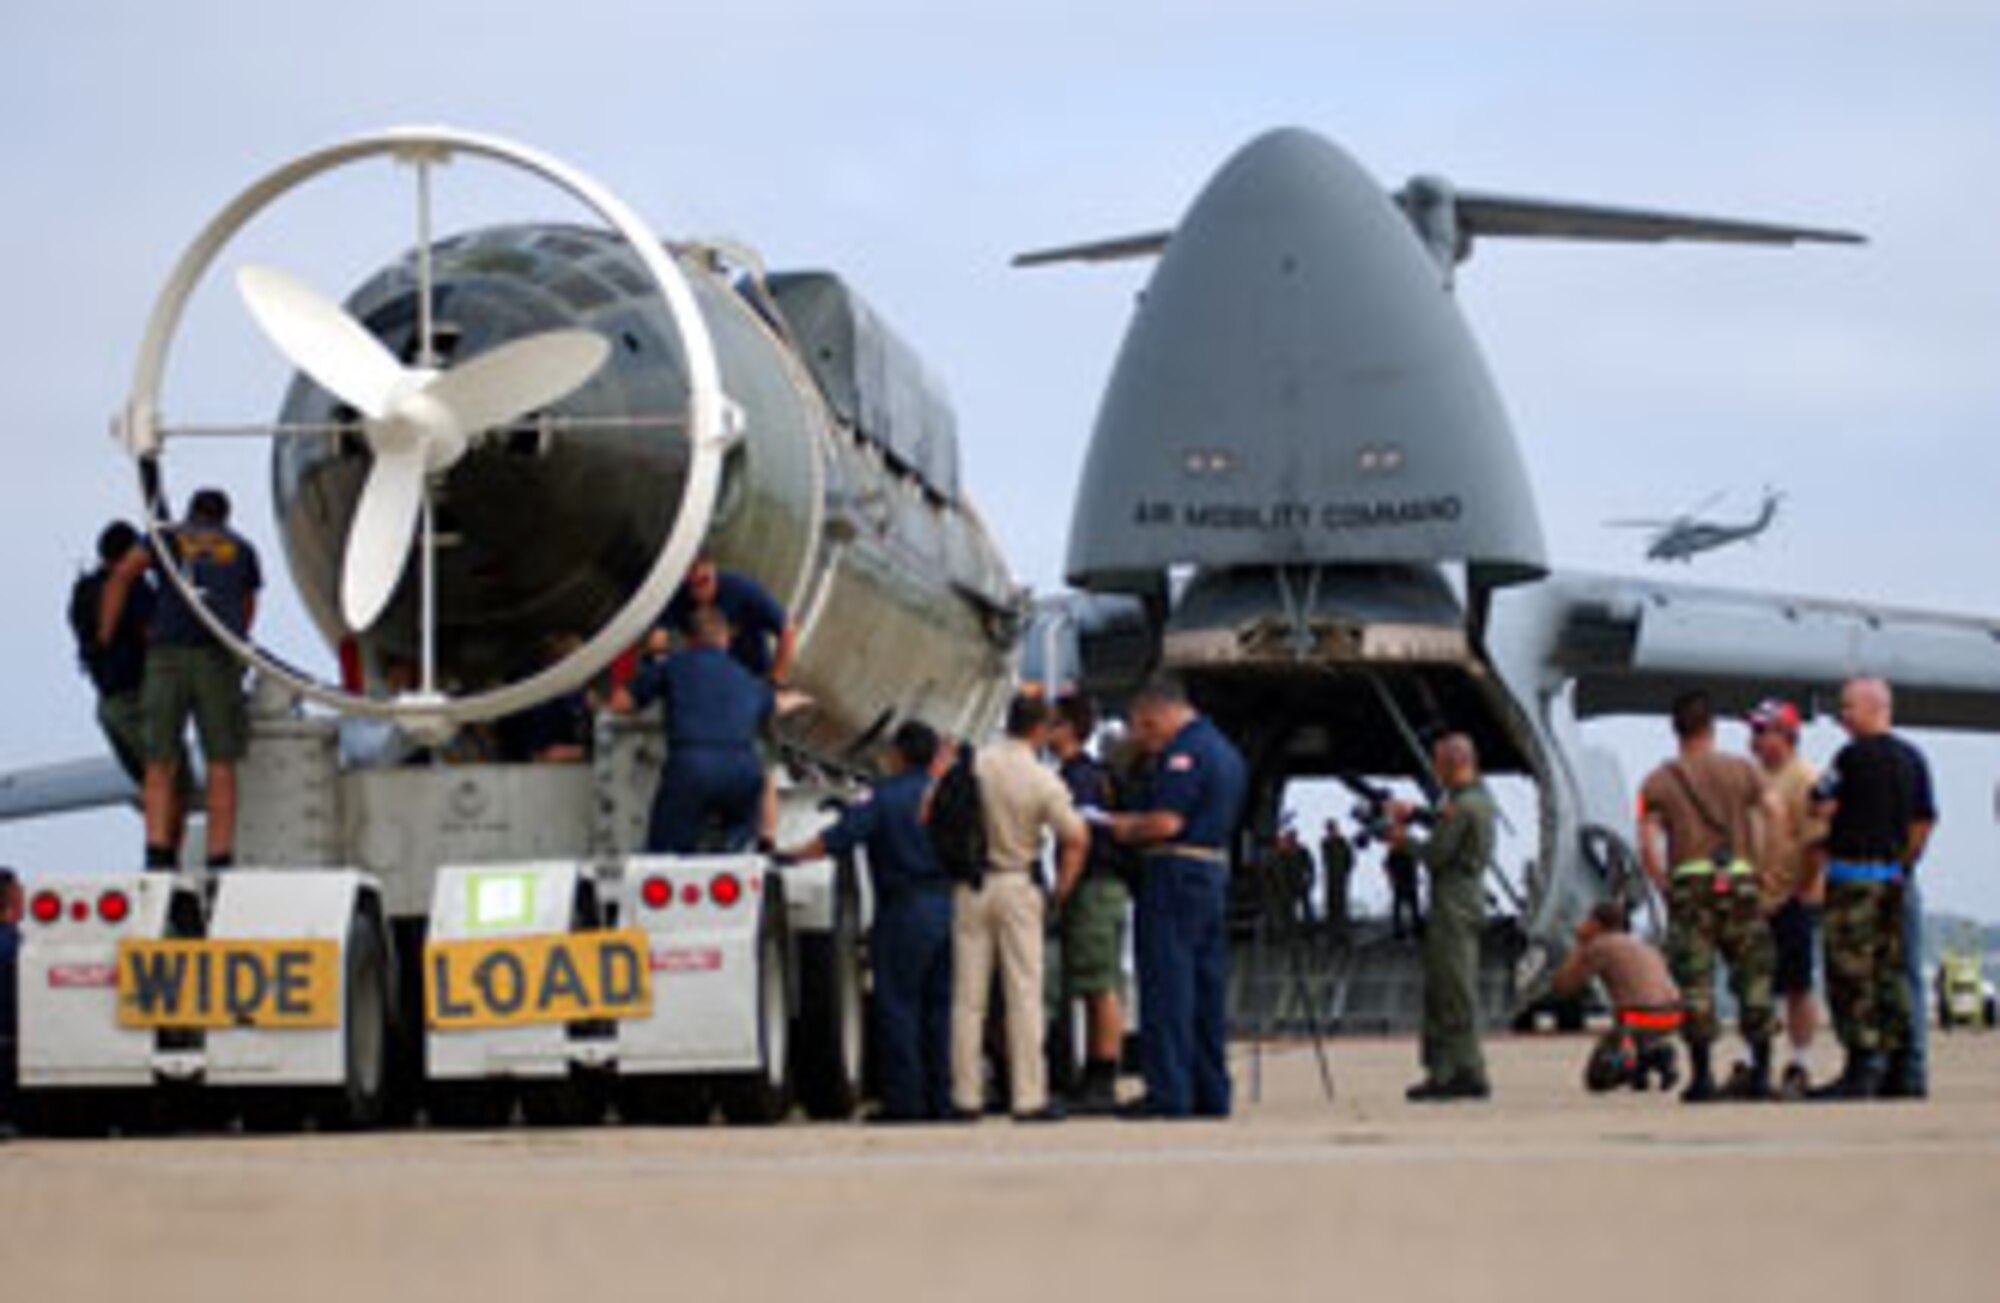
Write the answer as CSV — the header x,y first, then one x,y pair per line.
x,y
1793,882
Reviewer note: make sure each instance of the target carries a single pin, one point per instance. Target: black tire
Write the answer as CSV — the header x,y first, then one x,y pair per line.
x,y
406,1023
664,1101
469,1105
578,1101
69,1114
830,1041
763,1096
359,1101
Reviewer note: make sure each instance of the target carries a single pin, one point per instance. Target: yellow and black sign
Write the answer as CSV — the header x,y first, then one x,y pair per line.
x,y
214,984
559,977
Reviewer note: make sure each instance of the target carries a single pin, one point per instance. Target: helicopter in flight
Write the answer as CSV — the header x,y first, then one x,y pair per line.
x,y
1687,535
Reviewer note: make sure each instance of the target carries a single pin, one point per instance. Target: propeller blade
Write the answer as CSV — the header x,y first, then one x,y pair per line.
x,y
317,336
506,383
378,542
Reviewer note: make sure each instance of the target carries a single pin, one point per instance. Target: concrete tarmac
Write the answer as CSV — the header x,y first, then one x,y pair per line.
x,y
1545,1193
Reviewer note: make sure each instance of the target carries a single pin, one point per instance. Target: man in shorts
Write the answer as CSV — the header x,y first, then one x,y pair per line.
x,y
1793,884
1093,918
189,673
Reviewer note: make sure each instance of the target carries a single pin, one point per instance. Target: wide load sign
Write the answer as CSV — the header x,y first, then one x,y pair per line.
x,y
296,984
217,984
554,978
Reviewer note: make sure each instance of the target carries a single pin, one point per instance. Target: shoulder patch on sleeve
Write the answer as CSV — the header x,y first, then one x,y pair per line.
x,y
1180,763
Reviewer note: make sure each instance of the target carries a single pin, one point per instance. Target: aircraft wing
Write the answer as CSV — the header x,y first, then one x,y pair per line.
x,y
1479,215
1634,644
1493,215
1148,245
65,788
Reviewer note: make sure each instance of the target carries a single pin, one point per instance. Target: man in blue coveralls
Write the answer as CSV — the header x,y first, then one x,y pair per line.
x,y
715,712
1183,828
761,636
910,942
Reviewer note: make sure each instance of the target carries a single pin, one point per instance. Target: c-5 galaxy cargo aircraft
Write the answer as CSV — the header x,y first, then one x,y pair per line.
x,y
1303,494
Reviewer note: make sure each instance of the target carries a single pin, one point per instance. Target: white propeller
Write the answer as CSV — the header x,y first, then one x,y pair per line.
x,y
419,421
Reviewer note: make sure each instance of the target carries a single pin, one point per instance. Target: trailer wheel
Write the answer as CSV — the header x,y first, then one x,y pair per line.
x,y
357,1103
763,1096
831,1040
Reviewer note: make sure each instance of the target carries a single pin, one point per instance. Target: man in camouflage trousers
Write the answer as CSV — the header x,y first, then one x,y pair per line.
x,y
1877,796
1705,820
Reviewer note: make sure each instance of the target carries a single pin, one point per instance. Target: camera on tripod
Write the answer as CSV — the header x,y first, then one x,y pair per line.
x,y
1372,819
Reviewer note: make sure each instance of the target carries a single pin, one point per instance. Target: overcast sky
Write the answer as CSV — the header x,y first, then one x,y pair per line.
x,y
914,147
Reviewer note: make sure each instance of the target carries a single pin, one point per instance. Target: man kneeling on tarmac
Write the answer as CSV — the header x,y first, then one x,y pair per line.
x,y
1645,1003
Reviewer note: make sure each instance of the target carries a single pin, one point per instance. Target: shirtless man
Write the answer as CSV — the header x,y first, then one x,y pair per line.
x,y
1645,1003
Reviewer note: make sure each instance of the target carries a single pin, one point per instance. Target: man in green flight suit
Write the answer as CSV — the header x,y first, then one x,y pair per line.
x,y
1455,855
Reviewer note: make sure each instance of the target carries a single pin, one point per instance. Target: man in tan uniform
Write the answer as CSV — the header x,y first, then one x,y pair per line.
x,y
1002,917
1645,1003
1794,881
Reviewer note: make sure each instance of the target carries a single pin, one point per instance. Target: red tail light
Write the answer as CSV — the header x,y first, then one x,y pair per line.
x,y
657,892
725,889
114,907
47,907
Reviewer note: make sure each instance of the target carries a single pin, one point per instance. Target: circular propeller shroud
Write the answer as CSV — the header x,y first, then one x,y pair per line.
x,y
406,426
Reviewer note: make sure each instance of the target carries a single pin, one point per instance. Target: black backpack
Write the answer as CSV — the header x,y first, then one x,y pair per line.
x,y
957,823
84,598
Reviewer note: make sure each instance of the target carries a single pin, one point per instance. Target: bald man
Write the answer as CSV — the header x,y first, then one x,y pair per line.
x,y
1455,855
1876,796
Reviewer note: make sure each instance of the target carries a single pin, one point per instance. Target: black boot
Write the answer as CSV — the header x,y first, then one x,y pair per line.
x,y
1897,1081
1656,1059
1701,1075
1861,1078
1757,1081
1097,1093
